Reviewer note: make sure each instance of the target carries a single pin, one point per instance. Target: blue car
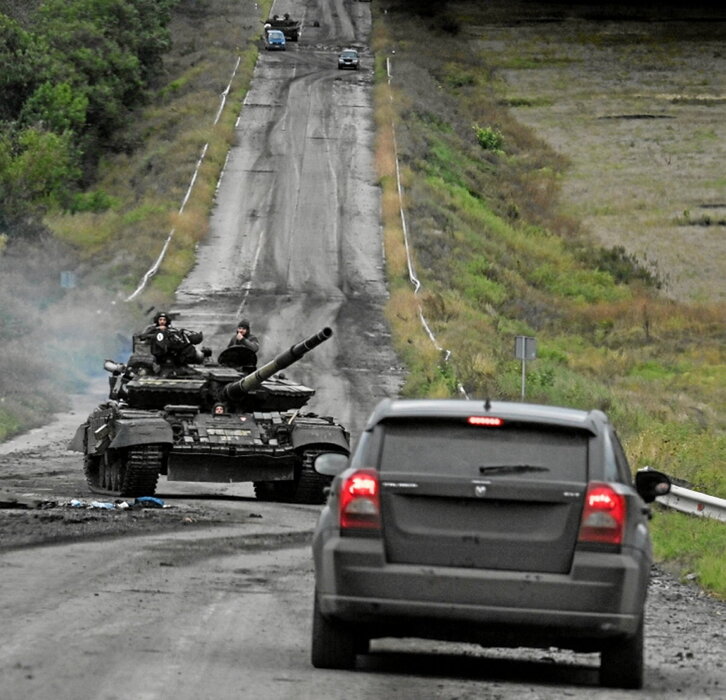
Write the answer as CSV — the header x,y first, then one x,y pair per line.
x,y
274,40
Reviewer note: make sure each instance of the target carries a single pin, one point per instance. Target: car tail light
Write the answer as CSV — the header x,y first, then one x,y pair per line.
x,y
360,501
603,517
490,421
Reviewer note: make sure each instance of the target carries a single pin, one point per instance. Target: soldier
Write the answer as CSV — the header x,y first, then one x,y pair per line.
x,y
244,338
171,345
162,321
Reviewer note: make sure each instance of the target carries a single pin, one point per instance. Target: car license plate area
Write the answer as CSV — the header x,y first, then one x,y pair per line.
x,y
485,534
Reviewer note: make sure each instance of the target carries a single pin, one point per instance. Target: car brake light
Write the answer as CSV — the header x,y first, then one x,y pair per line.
x,y
603,517
360,502
491,421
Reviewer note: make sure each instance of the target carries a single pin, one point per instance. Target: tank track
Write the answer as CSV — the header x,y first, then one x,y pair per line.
x,y
311,485
142,470
132,472
307,488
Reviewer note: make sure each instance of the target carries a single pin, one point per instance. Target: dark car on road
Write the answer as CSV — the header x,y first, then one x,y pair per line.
x,y
348,58
502,524
275,40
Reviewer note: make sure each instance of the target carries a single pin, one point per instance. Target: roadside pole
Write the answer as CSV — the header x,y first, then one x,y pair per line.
x,y
525,348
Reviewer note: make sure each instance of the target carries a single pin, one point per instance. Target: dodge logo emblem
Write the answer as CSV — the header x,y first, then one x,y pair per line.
x,y
480,490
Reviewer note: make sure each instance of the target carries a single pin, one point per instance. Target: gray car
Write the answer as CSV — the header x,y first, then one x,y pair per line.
x,y
502,524
348,58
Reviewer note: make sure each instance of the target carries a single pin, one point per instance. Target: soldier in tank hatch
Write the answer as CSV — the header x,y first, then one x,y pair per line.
x,y
244,337
171,345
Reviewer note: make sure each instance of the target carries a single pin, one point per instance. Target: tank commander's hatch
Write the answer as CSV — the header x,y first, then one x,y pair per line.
x,y
239,357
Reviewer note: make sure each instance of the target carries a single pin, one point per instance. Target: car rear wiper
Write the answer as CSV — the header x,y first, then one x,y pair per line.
x,y
511,468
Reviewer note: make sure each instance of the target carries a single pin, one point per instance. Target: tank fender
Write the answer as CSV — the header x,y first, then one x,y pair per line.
x,y
332,436
141,431
78,443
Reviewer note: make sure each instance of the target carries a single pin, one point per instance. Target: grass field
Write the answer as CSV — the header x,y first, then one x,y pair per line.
x,y
638,107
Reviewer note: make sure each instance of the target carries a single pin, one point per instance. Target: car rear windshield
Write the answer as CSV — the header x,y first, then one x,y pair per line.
x,y
516,450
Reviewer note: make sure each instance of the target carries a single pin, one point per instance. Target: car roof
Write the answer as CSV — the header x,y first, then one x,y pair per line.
x,y
275,32
592,421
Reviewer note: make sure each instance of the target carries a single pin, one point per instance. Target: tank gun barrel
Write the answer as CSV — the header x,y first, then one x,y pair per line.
x,y
238,389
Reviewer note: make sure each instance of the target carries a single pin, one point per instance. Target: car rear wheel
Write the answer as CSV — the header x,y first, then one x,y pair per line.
x,y
621,663
334,644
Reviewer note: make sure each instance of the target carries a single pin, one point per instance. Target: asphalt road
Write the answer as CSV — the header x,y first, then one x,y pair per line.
x,y
212,598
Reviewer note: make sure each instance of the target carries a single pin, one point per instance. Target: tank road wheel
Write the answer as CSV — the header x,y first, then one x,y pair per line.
x,y
311,485
95,467
130,472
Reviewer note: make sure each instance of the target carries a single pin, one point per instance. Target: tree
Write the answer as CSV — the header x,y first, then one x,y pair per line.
x,y
43,171
55,107
19,57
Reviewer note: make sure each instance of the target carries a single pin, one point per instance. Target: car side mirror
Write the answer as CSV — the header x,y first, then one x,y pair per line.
x,y
331,463
650,484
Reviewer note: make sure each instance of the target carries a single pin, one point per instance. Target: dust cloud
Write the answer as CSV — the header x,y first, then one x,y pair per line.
x,y
55,332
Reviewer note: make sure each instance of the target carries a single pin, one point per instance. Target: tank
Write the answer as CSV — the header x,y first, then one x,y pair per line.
x,y
217,421
290,27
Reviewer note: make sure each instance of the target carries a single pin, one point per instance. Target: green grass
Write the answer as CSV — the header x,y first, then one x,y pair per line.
x,y
9,422
693,545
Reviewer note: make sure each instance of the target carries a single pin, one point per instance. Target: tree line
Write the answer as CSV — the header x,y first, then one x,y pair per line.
x,y
69,78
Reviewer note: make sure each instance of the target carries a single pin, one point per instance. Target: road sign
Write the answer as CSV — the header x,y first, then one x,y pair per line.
x,y
67,279
525,347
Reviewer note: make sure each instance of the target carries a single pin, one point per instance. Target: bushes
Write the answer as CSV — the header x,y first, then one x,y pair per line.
x,y
489,138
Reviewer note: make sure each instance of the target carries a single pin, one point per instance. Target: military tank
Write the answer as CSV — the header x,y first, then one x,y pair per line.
x,y
289,27
223,421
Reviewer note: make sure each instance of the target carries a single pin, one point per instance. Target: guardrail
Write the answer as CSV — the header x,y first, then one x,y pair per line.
x,y
694,503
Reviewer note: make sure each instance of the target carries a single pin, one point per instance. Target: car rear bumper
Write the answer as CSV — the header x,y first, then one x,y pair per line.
x,y
481,624
602,597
